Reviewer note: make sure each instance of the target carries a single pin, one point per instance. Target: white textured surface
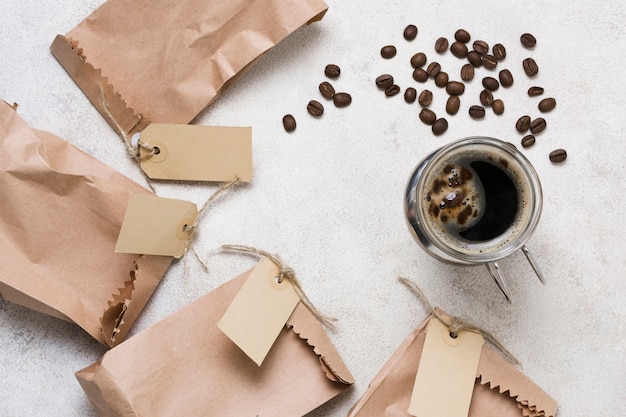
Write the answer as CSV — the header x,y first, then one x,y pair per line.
x,y
328,197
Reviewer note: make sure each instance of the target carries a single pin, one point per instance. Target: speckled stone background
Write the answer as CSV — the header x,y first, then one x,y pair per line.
x,y
328,197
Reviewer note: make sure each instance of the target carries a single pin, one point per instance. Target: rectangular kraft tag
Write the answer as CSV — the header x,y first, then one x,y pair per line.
x,y
156,226
197,153
446,374
259,311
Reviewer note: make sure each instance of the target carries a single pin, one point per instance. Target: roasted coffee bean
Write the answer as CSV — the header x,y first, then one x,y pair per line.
x,y
289,123
441,45
455,88
315,108
523,124
537,125
433,69
425,98
467,72
506,78
528,40
440,126
486,98
420,75
418,60
547,104
558,155
481,47
477,112
392,90
499,51
388,51
462,35
410,95
452,105
332,71
491,83
535,91
497,106
342,99
441,80
475,59
530,67
410,32
327,90
458,49
528,141
384,81
490,62
428,116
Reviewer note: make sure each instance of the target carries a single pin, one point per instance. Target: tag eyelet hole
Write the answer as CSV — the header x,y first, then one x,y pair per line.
x,y
157,151
278,279
453,335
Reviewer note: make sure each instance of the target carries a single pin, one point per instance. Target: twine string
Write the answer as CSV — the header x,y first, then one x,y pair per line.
x,y
456,325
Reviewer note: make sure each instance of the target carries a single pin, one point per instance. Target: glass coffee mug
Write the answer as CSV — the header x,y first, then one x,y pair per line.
x,y
475,201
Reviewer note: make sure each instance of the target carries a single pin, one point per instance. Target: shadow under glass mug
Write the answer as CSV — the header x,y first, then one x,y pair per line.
x,y
475,201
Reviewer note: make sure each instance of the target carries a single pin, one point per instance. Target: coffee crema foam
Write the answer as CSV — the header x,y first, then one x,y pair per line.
x,y
454,200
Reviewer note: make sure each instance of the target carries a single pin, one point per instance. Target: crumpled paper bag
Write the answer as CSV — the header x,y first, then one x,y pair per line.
x,y
500,390
185,366
166,61
60,215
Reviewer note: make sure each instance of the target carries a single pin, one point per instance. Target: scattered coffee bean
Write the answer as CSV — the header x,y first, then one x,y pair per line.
x,y
441,80
410,32
440,126
420,75
384,81
499,51
428,116
490,62
441,45
528,141
498,106
506,78
418,60
535,91
410,94
332,71
528,40
537,125
523,124
452,105
388,51
481,47
342,99
474,58
462,35
458,49
392,90
425,98
491,83
547,104
455,88
433,69
467,72
289,123
477,112
530,67
486,98
315,108
327,90
558,155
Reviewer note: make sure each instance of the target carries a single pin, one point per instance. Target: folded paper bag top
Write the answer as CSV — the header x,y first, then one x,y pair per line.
x,y
165,63
185,366
60,214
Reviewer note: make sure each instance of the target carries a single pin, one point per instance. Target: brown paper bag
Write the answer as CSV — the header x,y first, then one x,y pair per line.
x,y
166,61
500,389
60,215
185,366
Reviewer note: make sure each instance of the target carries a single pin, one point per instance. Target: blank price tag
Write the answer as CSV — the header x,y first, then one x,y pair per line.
x,y
156,226
197,153
446,374
259,311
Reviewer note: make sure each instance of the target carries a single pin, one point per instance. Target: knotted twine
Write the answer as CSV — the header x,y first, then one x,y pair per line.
x,y
285,272
456,325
